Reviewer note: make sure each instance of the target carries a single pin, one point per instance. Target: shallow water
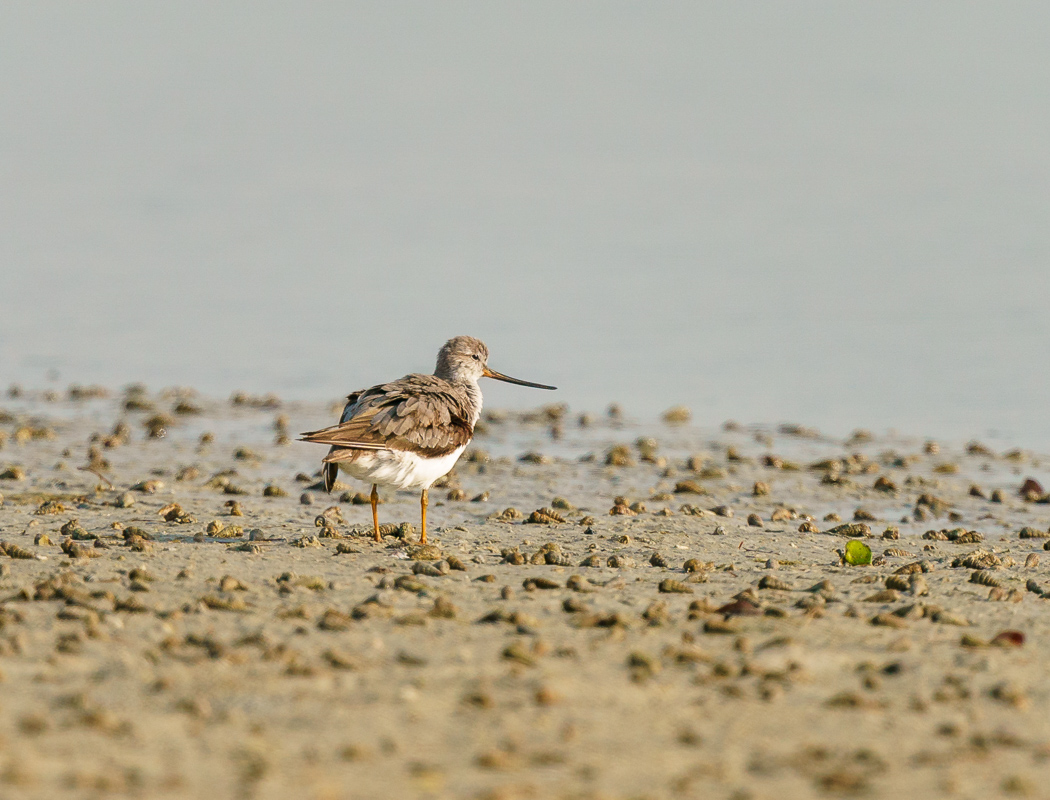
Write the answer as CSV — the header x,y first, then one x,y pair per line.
x,y
825,214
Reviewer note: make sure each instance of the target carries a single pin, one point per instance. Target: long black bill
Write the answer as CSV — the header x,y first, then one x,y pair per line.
x,y
489,373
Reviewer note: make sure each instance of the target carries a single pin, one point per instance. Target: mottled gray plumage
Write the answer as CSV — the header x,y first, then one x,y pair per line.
x,y
422,414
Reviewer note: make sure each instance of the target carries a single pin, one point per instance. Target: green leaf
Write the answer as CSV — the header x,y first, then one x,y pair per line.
x,y
857,552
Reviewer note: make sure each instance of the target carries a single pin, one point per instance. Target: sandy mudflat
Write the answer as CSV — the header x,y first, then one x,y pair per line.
x,y
182,664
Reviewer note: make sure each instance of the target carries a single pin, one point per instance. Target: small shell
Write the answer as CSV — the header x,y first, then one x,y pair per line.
x,y
619,456
1032,561
852,530
984,579
430,569
884,484
677,415
889,621
228,583
948,618
530,584
914,567
409,584
810,602
578,583
693,511
671,586
443,609
545,516
719,626
978,559
1004,595
898,582
771,582
15,551
329,532
333,620
15,473
455,563
50,507
657,613
69,547
513,557
917,586
689,487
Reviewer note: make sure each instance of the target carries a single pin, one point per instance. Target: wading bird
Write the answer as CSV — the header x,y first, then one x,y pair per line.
x,y
408,433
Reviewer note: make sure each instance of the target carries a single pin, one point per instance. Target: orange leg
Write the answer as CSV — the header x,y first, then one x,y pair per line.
x,y
423,510
375,514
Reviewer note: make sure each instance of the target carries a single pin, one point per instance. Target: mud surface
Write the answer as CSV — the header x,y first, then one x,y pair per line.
x,y
669,650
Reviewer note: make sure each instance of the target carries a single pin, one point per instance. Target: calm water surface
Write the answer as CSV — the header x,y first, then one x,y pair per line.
x,y
828,213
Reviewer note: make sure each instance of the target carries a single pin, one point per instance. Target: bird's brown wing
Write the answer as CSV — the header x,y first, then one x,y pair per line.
x,y
420,413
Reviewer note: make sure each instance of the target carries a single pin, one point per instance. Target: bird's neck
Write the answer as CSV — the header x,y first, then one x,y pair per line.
x,y
469,386
474,393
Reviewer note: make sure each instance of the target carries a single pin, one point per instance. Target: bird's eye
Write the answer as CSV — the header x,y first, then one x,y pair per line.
x,y
475,357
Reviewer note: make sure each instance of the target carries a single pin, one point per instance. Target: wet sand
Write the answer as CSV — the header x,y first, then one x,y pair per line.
x,y
667,651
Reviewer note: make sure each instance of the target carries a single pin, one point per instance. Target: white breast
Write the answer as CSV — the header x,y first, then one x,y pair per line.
x,y
400,469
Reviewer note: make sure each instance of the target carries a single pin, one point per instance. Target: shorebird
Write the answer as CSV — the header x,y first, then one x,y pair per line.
x,y
408,433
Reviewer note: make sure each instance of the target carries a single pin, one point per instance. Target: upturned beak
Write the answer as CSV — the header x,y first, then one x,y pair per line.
x,y
489,373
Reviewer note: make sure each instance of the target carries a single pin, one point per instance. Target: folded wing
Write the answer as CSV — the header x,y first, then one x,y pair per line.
x,y
421,414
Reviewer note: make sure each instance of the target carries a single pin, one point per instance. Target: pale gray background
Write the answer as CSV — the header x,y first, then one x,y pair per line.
x,y
823,212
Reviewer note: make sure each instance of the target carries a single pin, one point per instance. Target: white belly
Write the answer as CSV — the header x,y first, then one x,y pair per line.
x,y
400,469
